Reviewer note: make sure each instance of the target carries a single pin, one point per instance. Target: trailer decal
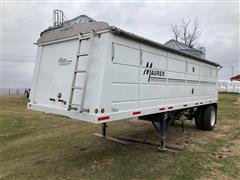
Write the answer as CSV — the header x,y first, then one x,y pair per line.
x,y
64,61
153,74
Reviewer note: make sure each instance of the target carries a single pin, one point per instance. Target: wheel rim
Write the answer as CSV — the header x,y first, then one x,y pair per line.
x,y
213,118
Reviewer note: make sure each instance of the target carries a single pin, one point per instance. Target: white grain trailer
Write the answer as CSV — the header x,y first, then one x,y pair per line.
x,y
98,73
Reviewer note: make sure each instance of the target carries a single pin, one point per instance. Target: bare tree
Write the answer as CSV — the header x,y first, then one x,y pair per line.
x,y
176,31
186,33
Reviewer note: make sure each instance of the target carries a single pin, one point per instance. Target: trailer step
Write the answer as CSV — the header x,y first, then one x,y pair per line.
x,y
77,105
76,87
85,110
72,108
80,71
80,55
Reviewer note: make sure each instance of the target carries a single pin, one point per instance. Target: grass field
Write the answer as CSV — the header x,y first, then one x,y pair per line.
x,y
41,146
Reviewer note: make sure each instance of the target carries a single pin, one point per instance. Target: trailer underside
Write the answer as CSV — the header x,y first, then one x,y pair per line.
x,y
162,121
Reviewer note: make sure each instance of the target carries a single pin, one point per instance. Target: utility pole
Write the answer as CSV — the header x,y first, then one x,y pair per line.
x,y
232,67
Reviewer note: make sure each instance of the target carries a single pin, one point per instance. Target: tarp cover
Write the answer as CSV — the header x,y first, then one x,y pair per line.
x,y
71,31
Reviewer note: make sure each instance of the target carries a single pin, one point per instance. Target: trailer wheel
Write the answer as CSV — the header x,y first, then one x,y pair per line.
x,y
198,118
209,118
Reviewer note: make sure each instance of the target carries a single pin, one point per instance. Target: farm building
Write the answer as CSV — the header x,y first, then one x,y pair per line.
x,y
186,49
235,78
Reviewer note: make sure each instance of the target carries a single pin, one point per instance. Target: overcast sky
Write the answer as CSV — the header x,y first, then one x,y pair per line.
x,y
23,22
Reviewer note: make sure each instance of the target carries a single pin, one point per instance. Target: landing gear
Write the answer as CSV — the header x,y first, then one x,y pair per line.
x,y
104,129
162,119
160,124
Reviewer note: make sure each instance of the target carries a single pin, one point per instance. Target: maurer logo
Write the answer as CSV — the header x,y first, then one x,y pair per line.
x,y
64,61
153,74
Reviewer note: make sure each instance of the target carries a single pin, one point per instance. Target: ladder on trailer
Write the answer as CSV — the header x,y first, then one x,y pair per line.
x,y
71,105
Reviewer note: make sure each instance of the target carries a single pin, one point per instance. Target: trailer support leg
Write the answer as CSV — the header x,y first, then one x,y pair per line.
x,y
162,132
104,135
104,129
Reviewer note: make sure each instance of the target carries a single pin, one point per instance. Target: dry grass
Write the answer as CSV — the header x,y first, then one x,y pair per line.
x,y
41,146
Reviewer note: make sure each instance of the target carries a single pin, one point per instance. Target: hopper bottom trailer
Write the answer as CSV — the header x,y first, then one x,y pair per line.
x,y
98,73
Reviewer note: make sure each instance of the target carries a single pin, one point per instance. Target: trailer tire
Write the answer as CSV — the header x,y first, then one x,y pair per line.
x,y
198,118
209,118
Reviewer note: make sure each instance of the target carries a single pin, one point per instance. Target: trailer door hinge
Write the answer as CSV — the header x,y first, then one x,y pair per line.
x,y
112,51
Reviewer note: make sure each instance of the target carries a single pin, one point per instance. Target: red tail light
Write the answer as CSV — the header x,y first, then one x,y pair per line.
x,y
103,118
136,113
